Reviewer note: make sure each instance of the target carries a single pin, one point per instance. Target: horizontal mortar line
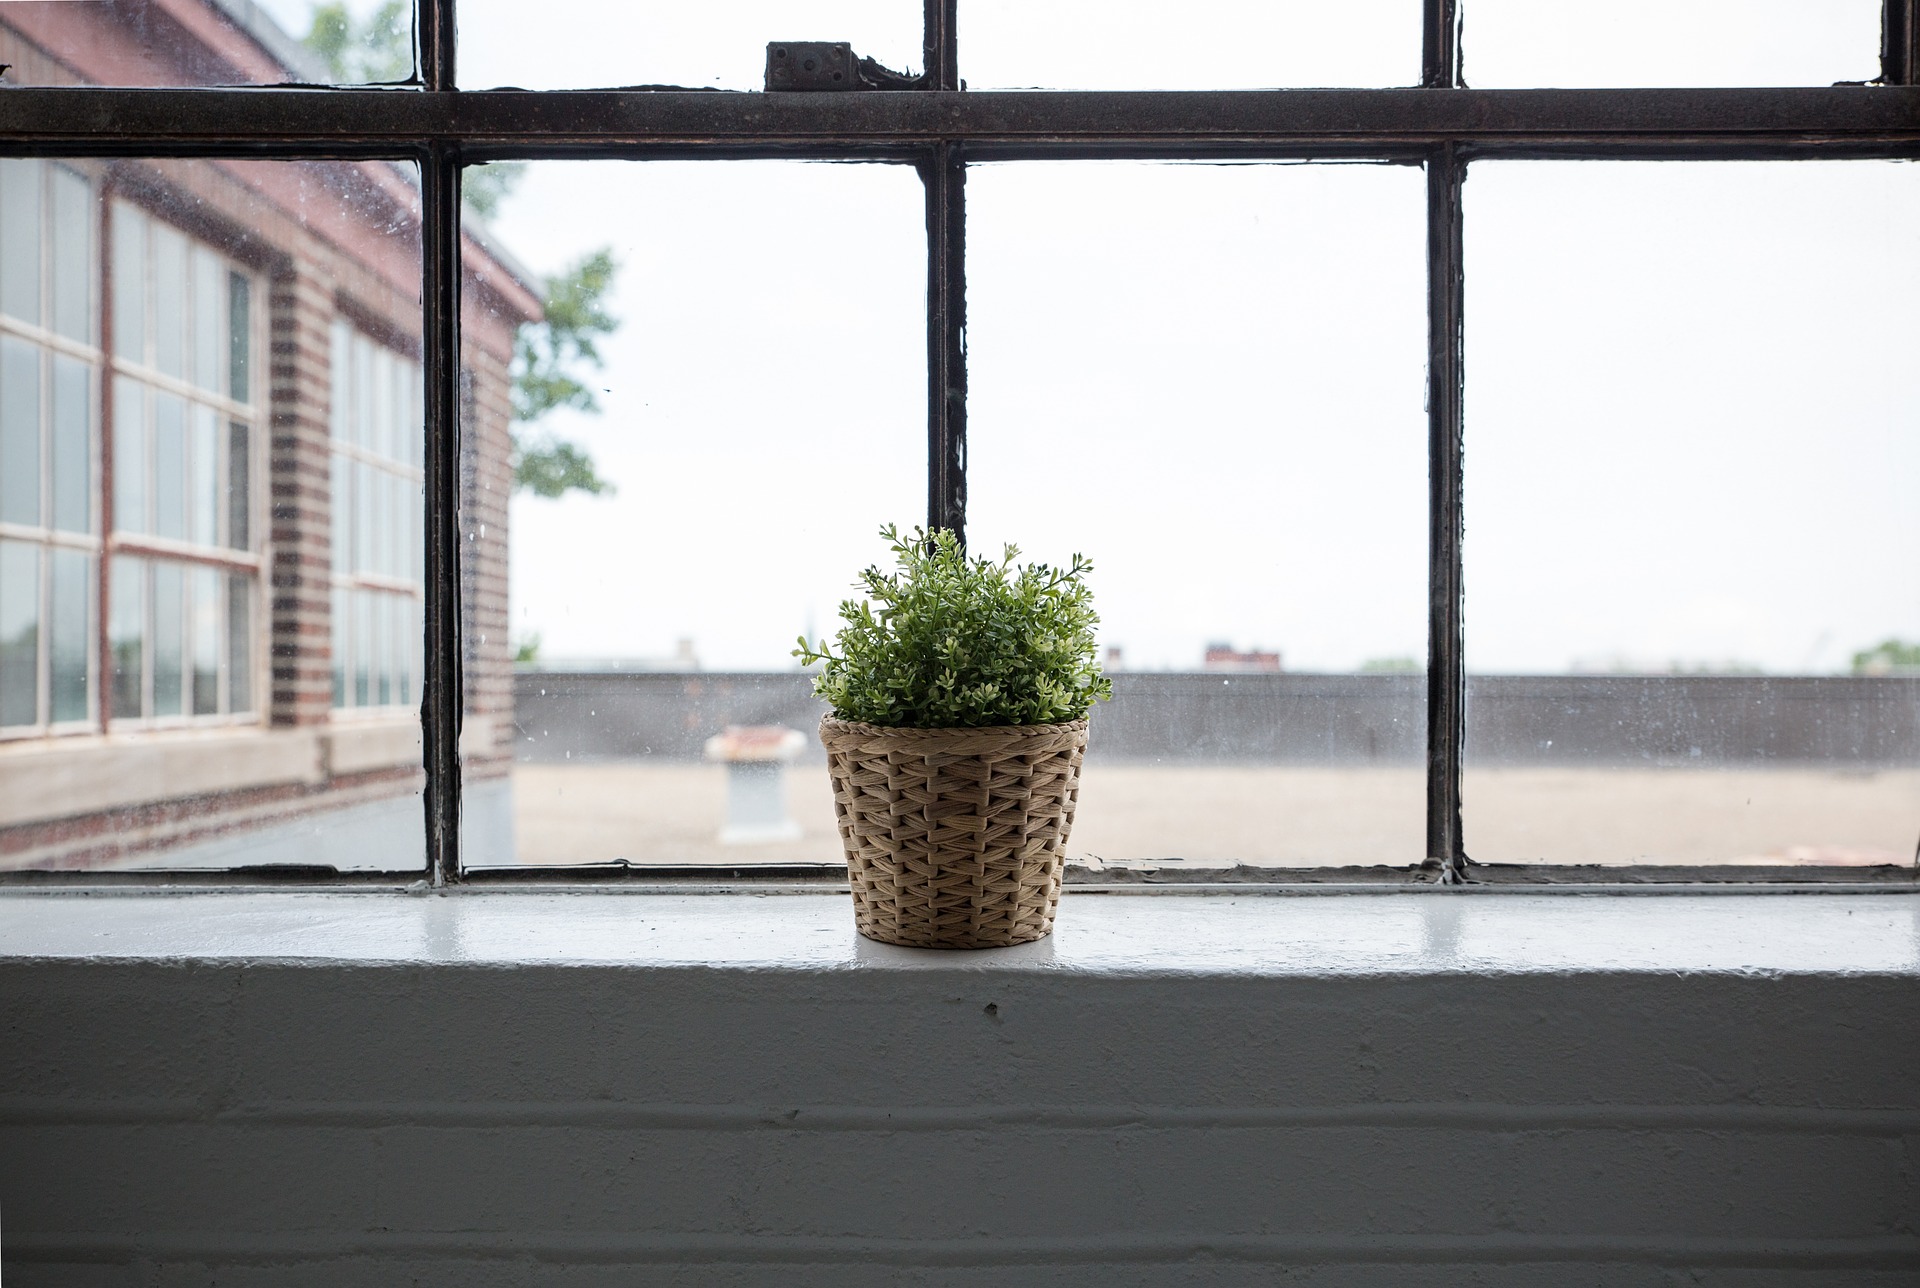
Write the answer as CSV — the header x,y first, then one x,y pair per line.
x,y
1875,1252
1799,1120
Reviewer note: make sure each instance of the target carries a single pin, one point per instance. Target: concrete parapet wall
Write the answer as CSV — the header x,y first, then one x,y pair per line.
x,y
1302,719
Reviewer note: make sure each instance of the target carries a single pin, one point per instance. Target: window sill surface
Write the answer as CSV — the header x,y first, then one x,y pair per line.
x,y
1163,933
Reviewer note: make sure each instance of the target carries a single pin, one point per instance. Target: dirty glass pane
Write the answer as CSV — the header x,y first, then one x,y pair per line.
x,y
71,255
169,647
22,207
19,432
1650,43
1693,610
70,619
169,467
136,468
19,634
130,238
72,454
206,42
169,307
1210,380
131,467
758,418
127,636
203,504
207,628
239,487
717,45
240,643
1204,44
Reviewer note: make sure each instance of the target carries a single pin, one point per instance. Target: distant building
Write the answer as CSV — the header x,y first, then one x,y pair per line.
x,y
1223,657
210,482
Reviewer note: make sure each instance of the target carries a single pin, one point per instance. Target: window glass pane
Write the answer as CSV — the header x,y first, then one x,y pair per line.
x,y
19,432
343,503
169,466
19,633
239,339
720,45
169,646
127,635
170,300
20,207
131,293
210,335
72,445
239,488
754,422
1693,611
342,695
207,42
208,618
382,648
1210,380
71,617
239,643
364,477
1685,43
203,507
1205,44
190,616
363,665
73,226
130,464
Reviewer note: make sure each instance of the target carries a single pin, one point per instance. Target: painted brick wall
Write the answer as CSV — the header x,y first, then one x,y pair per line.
x,y
863,1116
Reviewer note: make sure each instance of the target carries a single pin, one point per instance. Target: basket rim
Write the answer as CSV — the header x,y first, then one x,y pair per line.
x,y
831,723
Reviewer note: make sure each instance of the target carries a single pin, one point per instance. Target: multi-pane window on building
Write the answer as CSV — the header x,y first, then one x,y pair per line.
x,y
49,379
183,590
377,540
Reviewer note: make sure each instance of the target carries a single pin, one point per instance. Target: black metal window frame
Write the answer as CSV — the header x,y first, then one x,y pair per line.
x,y
939,128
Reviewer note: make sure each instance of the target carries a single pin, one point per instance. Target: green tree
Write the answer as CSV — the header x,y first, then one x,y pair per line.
x,y
1889,657
549,355
548,359
372,52
484,187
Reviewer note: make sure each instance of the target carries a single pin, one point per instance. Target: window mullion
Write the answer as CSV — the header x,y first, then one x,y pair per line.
x,y
944,174
939,44
437,44
440,711
1899,42
1440,44
1446,671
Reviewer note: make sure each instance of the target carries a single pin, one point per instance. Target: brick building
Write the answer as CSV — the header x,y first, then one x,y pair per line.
x,y
210,482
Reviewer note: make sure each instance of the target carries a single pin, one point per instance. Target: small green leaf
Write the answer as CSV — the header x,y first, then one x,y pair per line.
x,y
944,641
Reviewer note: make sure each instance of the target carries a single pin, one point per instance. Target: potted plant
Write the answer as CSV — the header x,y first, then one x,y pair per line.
x,y
959,691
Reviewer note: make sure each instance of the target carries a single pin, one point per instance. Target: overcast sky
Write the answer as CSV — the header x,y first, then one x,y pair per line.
x,y
1692,433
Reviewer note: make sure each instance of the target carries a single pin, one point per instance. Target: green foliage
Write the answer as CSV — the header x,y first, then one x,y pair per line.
x,y
484,187
549,352
377,51
547,359
527,651
550,467
950,642
550,355
1892,656
1391,665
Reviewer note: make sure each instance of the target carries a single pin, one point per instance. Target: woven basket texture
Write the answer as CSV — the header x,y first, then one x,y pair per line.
x,y
955,838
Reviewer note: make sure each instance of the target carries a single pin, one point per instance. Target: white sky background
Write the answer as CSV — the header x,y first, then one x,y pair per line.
x,y
1693,435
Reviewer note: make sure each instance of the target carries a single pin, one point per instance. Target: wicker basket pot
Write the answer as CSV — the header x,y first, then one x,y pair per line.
x,y
955,838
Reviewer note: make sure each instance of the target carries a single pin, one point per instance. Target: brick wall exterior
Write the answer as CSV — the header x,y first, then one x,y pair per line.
x,y
328,239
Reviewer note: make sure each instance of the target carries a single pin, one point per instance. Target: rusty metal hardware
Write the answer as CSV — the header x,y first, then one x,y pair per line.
x,y
829,66
811,65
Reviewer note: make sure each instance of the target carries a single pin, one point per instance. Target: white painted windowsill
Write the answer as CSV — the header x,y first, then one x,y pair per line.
x,y
1164,933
